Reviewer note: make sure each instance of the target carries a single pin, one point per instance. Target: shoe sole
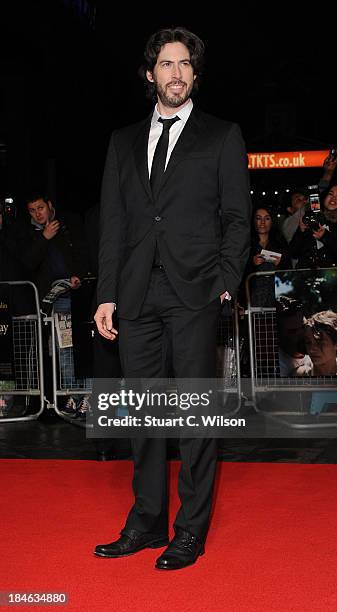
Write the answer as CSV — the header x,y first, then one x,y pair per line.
x,y
156,544
171,569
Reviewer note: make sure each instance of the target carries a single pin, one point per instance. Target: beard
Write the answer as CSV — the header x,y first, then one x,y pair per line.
x,y
173,100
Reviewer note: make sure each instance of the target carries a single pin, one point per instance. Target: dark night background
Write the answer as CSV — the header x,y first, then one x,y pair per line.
x,y
68,76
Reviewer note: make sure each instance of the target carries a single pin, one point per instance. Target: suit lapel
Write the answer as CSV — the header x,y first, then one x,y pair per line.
x,y
140,153
184,146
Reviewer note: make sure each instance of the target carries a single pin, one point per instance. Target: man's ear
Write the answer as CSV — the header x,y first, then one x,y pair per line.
x,y
149,76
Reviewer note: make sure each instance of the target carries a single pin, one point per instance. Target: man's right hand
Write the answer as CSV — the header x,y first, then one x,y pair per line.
x,y
329,165
103,319
51,229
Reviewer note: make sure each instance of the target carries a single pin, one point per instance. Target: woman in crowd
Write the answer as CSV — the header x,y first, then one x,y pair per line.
x,y
317,247
265,238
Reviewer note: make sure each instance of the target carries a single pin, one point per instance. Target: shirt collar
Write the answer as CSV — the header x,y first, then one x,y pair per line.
x,y
183,113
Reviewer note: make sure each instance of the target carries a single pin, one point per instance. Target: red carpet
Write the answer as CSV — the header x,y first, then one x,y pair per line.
x,y
272,545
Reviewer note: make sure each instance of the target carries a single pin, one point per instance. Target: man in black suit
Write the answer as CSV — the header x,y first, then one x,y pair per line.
x,y
175,218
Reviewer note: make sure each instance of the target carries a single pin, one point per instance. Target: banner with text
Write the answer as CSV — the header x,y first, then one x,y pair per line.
x,y
6,335
306,306
287,159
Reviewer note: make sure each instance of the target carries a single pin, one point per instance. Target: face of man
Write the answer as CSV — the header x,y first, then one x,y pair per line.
x,y
298,200
173,77
40,211
320,347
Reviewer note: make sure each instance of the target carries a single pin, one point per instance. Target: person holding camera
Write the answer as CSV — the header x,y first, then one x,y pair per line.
x,y
314,244
329,167
10,267
298,199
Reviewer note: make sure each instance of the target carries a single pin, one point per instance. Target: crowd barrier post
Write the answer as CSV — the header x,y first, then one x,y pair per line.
x,y
228,359
28,364
65,383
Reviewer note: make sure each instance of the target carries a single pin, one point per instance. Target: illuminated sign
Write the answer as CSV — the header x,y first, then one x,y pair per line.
x,y
286,160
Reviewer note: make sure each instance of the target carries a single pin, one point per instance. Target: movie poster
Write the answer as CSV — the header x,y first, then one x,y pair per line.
x,y
6,335
306,307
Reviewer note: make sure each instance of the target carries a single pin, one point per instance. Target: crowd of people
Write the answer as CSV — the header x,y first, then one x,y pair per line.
x,y
290,241
45,243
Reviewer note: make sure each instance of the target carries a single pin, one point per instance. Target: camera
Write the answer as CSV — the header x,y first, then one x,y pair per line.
x,y
313,216
313,220
7,210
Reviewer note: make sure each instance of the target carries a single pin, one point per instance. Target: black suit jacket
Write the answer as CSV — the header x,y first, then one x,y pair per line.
x,y
200,218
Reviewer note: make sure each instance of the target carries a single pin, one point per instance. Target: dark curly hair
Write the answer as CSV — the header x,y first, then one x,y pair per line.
x,y
193,43
33,196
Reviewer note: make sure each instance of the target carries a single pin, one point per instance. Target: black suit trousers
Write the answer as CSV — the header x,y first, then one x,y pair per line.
x,y
168,334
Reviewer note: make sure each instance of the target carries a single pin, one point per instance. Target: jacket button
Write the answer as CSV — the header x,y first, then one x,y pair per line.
x,y
158,219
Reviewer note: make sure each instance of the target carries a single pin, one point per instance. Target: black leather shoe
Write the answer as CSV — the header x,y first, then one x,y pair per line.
x,y
130,543
184,550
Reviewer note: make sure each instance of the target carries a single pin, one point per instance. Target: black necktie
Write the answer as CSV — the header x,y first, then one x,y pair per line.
x,y
160,154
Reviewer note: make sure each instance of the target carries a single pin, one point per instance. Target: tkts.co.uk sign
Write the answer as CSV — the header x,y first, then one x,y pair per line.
x,y
286,160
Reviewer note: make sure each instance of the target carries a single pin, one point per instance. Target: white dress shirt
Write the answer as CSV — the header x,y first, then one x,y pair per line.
x,y
174,133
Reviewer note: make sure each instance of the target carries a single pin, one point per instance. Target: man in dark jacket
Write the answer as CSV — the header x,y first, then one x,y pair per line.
x,y
175,216
53,246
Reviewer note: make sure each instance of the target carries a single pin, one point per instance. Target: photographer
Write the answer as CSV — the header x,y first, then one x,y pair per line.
x,y
294,210
329,167
298,198
314,244
10,267
20,302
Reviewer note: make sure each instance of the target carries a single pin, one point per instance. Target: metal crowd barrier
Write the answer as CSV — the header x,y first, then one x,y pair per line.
x,y
296,401
28,362
228,359
65,383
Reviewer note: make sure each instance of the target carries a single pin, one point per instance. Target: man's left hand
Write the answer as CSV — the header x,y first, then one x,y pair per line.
x,y
225,296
